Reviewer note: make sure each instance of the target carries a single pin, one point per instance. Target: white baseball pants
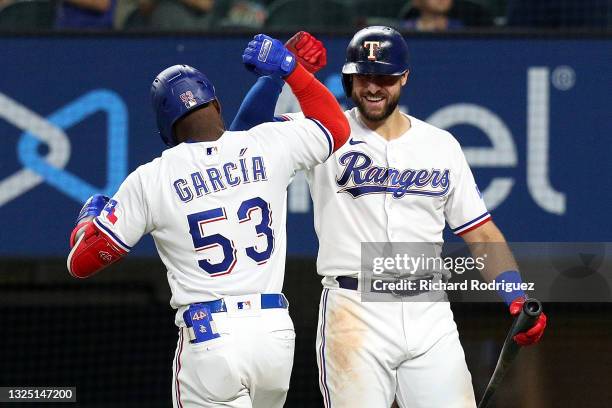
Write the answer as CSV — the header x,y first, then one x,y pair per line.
x,y
370,353
248,366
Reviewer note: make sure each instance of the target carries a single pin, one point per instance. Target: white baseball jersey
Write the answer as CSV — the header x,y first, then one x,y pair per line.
x,y
402,190
217,210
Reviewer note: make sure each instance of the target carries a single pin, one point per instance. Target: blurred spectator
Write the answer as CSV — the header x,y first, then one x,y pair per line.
x,y
431,15
559,13
201,6
245,13
182,14
126,8
81,14
4,3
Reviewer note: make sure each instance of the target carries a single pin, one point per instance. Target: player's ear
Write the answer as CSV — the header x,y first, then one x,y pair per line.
x,y
217,106
404,79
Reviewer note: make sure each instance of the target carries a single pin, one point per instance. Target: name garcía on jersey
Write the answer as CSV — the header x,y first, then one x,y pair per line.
x,y
361,177
217,178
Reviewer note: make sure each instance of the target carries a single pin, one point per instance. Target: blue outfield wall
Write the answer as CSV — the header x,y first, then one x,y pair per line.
x,y
533,117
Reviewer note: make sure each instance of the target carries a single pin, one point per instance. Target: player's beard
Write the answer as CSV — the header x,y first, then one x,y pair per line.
x,y
390,105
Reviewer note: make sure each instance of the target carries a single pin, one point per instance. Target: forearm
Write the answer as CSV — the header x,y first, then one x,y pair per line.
x,y
95,5
497,258
259,103
317,102
488,245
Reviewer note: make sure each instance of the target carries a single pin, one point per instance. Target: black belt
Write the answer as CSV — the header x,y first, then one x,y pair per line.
x,y
346,282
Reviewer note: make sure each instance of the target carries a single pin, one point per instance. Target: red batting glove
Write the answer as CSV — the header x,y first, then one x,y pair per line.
x,y
534,334
309,51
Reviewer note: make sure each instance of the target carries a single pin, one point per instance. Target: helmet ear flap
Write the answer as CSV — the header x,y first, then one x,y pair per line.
x,y
347,84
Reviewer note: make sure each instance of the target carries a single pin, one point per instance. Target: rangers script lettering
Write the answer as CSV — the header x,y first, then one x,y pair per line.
x,y
370,179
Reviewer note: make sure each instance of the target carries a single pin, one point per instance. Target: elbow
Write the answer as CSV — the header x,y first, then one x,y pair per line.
x,y
79,269
92,252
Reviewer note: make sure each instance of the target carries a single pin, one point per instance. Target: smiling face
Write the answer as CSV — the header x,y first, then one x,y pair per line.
x,y
377,96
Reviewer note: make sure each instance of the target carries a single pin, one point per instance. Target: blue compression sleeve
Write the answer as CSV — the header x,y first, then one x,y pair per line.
x,y
514,283
258,104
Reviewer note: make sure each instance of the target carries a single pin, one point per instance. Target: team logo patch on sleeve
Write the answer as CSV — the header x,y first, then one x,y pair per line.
x,y
110,211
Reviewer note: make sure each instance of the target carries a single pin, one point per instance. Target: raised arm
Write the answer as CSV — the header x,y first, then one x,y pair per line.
x,y
259,103
267,56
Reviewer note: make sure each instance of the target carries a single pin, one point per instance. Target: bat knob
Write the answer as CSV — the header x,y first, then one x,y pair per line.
x,y
532,307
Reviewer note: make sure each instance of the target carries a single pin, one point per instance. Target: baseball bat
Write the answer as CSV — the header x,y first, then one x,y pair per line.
x,y
532,308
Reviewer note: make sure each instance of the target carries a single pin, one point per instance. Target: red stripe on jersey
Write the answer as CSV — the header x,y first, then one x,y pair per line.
x,y
473,227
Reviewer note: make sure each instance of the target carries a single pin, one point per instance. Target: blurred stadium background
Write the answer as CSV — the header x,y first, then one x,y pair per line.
x,y
524,85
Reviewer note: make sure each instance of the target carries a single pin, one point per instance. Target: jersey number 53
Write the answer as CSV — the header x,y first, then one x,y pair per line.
x,y
202,242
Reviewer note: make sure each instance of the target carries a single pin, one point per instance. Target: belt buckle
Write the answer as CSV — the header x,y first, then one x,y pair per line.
x,y
243,306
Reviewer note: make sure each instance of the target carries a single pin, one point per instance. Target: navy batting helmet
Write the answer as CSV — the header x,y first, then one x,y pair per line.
x,y
375,50
175,92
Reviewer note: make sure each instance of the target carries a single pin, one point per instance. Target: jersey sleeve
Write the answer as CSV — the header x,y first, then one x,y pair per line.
x,y
125,219
465,209
301,142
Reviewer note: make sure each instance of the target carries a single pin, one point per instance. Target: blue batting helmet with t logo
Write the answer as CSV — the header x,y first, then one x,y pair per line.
x,y
175,92
375,50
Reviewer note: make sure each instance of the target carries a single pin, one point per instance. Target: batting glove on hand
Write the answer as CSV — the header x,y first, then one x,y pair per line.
x,y
534,334
267,56
92,208
309,51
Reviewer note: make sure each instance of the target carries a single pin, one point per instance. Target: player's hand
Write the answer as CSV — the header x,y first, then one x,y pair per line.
x,y
267,56
92,208
309,51
534,334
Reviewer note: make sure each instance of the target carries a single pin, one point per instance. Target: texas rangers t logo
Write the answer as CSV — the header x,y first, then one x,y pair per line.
x,y
372,46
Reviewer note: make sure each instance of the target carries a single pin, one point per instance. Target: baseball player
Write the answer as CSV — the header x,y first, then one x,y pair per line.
x,y
398,179
215,204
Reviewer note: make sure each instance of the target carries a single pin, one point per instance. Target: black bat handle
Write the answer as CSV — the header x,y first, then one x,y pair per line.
x,y
532,309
